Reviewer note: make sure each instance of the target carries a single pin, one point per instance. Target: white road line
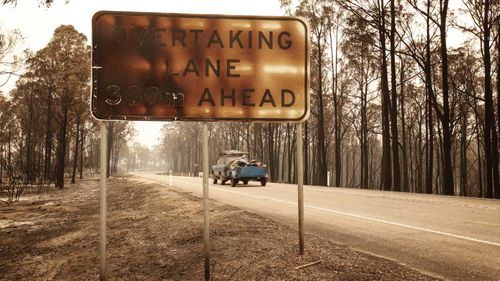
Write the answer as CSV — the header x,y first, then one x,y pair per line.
x,y
359,216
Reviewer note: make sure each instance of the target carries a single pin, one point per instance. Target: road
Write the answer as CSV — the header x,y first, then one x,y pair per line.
x,y
449,237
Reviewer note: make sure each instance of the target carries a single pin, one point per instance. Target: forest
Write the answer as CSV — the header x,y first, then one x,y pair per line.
x,y
404,97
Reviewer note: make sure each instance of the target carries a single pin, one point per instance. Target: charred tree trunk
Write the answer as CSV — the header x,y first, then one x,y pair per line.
x,y
429,106
405,186
396,171
336,112
82,149
490,133
478,142
47,167
448,186
364,151
463,151
110,147
61,150
498,76
321,148
306,152
418,156
29,170
75,156
386,170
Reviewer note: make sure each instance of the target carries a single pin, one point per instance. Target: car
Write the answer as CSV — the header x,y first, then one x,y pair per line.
x,y
234,166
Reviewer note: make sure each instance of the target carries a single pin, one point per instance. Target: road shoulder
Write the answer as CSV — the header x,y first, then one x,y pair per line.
x,y
156,233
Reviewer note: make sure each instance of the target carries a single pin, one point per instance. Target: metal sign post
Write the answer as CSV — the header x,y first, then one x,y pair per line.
x,y
178,67
300,185
102,201
206,229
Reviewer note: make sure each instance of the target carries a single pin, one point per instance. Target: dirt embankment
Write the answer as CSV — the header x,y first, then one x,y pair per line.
x,y
155,233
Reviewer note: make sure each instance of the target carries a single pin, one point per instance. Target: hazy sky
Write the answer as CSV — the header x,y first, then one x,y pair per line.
x,y
38,23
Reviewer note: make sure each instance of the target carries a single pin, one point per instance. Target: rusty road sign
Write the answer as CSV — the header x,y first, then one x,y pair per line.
x,y
150,66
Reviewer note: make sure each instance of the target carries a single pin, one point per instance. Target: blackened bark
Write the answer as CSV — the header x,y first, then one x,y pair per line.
x,y
61,151
463,150
490,133
430,141
386,171
478,142
405,186
306,152
47,175
429,100
110,146
29,170
77,143
321,149
419,158
448,186
498,75
82,142
396,171
364,129
336,113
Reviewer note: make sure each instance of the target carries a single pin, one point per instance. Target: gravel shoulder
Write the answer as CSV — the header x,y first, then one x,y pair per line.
x,y
155,233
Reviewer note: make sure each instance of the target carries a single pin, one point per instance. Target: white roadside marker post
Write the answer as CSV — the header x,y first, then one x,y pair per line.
x,y
102,201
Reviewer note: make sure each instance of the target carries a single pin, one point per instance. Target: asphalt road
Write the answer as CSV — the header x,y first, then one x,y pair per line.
x,y
449,237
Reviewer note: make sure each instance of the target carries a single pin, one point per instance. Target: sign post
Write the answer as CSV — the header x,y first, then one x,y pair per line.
x,y
102,201
206,207
178,67
300,187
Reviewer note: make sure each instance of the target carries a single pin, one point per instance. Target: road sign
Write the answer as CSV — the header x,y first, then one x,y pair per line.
x,y
150,66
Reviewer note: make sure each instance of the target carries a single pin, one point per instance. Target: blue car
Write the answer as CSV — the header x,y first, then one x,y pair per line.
x,y
234,166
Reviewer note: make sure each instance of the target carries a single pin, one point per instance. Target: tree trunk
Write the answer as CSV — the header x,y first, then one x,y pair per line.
x,y
478,142
77,143
429,107
448,186
82,142
336,112
386,171
419,158
364,157
498,75
396,171
306,153
463,151
110,143
490,134
321,148
29,168
47,167
404,187
61,149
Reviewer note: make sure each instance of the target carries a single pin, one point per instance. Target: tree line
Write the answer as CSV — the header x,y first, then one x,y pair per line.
x,y
398,101
48,135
